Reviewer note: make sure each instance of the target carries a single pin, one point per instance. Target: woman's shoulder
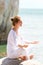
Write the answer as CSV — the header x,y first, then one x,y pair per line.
x,y
11,32
11,35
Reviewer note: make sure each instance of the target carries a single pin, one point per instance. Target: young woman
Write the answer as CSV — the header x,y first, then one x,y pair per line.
x,y
15,48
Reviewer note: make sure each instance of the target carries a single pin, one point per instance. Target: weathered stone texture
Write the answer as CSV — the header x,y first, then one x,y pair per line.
x,y
8,9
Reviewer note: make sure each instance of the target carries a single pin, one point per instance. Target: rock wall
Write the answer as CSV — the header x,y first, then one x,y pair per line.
x,y
8,9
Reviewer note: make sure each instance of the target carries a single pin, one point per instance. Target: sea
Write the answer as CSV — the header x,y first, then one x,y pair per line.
x,y
32,30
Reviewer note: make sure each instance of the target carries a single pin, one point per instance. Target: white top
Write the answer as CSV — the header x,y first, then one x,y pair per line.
x,y
13,51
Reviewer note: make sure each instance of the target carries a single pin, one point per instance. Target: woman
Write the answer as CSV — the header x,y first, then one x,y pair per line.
x,y
15,48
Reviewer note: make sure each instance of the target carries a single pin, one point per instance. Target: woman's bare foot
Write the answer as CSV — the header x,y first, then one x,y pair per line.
x,y
31,56
23,58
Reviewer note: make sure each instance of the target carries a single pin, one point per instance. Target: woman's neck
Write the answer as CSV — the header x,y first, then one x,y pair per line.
x,y
15,29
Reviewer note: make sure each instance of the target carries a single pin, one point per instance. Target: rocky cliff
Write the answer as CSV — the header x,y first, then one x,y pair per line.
x,y
8,9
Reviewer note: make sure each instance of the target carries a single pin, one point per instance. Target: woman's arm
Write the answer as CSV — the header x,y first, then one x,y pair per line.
x,y
34,42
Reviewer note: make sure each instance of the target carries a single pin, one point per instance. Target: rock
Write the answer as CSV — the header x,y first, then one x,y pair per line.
x,y
2,59
8,9
31,62
28,62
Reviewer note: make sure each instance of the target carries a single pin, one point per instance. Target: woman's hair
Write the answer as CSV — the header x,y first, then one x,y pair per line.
x,y
15,20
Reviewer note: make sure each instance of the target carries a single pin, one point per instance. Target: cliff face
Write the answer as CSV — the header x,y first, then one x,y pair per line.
x,y
8,8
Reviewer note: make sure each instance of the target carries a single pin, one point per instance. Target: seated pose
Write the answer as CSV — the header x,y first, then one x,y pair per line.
x,y
15,48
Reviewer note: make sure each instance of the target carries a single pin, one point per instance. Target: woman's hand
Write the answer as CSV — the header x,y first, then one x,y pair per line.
x,y
34,42
20,46
23,46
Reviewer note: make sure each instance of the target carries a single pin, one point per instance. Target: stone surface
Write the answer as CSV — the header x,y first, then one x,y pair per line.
x,y
2,59
31,62
28,62
8,9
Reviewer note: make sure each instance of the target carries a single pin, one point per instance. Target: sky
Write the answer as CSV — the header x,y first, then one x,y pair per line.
x,y
31,4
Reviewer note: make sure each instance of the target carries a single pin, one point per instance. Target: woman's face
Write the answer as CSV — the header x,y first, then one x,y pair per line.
x,y
19,24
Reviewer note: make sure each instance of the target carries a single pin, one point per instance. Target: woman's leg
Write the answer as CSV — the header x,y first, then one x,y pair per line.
x,y
8,61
